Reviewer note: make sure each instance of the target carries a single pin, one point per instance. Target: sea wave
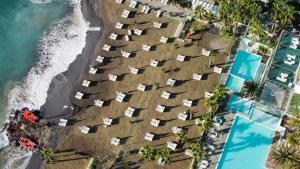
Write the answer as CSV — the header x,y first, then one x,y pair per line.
x,y
57,50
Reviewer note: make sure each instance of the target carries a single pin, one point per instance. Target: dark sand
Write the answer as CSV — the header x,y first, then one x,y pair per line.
x,y
62,87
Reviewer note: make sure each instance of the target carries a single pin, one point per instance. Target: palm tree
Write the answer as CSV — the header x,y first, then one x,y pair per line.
x,y
147,153
281,14
182,136
218,98
256,28
286,157
252,89
295,120
198,152
200,12
49,155
164,154
293,139
205,125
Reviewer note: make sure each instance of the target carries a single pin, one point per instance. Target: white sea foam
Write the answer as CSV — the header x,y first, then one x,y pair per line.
x,y
58,49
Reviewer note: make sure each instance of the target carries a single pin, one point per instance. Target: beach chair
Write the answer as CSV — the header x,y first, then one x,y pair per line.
x,y
291,56
84,129
130,32
125,54
127,38
176,130
112,77
289,62
172,145
137,31
146,9
119,1
120,97
213,134
107,121
218,69
208,94
63,122
146,47
155,122
79,95
100,59
282,79
133,4
119,25
205,52
163,39
293,46
125,14
129,112
197,76
204,164
160,108
157,24
93,70
106,47
133,70
181,58
161,161
198,121
142,87
149,136
171,82
159,13
99,102
187,102
183,116
113,36
166,95
115,141
188,152
86,83
154,63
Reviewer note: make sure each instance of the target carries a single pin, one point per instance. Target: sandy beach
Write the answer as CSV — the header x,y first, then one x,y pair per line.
x,y
76,148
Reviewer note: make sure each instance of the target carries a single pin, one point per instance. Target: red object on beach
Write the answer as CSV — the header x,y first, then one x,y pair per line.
x,y
27,143
29,116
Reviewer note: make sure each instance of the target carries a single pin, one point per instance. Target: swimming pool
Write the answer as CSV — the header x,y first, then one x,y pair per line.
x,y
235,83
245,65
241,105
247,145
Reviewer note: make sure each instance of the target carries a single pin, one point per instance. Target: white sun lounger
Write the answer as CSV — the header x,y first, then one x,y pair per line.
x,y
107,121
166,95
181,58
120,97
112,77
160,108
106,47
133,70
137,31
145,9
79,95
86,83
125,13
119,25
218,69
187,102
197,76
163,39
159,13
141,87
171,82
113,36
146,47
99,102
93,70
204,164
172,145
115,141
149,136
100,59
125,54
127,38
289,62
182,116
205,52
62,122
84,129
282,79
176,130
119,1
188,152
129,112
155,122
154,63
157,24
291,56
133,4
208,94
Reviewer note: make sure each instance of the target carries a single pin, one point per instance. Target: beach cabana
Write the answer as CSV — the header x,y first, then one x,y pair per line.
x,y
160,108
183,116
163,39
115,141
93,70
172,145
120,97
125,14
112,77
218,69
86,83
113,36
171,82
146,47
146,9
142,87
63,122
205,52
134,70
79,95
129,112
155,122
119,1
208,94
149,136
157,24
187,102
84,129
125,54
154,63
197,76
176,130
107,121
100,59
166,95
119,25
99,102
133,4
159,13
138,31
181,58
106,47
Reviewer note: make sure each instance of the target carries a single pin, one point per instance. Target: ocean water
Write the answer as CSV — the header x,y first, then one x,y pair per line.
x,y
38,40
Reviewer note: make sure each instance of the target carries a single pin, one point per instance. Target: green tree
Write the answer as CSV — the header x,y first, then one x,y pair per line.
x,y
164,154
200,12
252,89
198,152
256,28
182,136
49,155
282,14
294,121
218,98
147,153
205,125
293,139
286,157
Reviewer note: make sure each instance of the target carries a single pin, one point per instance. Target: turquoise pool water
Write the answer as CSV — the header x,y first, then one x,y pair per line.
x,y
241,105
235,83
247,146
245,65
265,118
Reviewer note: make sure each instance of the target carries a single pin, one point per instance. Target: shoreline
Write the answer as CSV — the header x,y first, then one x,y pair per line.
x,y
64,85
